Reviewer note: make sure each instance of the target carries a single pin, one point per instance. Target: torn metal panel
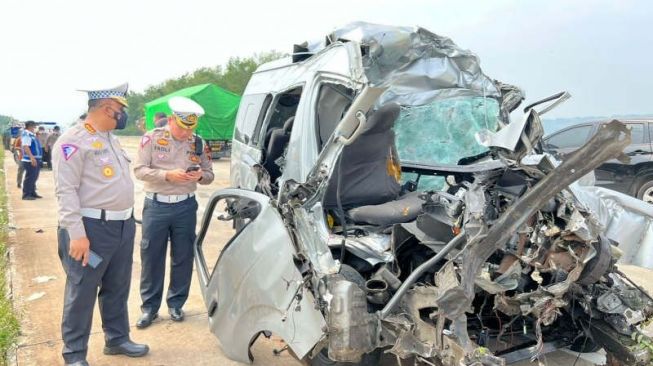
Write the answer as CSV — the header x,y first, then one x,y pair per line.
x,y
505,282
419,66
374,248
625,220
276,298
607,143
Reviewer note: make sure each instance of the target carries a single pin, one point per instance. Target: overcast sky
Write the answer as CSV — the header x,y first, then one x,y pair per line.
x,y
600,51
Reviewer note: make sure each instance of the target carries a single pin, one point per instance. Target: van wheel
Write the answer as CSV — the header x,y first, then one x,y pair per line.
x,y
368,359
645,192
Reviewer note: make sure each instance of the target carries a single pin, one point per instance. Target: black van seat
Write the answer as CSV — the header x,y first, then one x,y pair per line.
x,y
364,176
404,209
279,139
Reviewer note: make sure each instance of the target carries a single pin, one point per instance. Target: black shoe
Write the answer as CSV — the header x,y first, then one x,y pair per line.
x,y
78,363
29,198
146,320
36,196
176,314
128,348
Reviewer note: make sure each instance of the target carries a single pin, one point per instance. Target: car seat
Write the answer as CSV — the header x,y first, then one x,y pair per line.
x,y
369,190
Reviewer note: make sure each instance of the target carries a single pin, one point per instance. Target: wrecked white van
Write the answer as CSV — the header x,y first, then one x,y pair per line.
x,y
384,203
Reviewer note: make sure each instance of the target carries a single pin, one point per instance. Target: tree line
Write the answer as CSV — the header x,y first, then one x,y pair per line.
x,y
233,76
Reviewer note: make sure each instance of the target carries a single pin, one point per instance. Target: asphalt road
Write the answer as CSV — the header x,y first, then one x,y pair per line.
x,y
38,282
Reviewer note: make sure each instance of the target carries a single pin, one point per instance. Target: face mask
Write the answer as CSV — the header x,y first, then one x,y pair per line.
x,y
121,119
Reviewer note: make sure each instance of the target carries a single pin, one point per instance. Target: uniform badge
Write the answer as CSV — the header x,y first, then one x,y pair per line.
x,y
162,156
166,134
97,144
194,159
105,160
107,171
68,150
191,118
89,128
144,140
162,142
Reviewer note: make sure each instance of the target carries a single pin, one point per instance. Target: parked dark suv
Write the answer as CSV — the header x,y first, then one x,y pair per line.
x,y
634,178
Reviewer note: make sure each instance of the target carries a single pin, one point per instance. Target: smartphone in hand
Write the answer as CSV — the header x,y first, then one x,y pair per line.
x,y
192,168
94,260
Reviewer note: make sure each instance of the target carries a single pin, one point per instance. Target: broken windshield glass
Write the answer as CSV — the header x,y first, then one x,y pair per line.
x,y
442,132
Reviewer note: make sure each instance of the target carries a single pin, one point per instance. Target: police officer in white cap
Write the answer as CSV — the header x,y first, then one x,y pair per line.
x,y
95,196
171,161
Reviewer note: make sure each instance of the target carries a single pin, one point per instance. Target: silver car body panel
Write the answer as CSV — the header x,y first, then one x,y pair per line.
x,y
338,63
256,286
624,219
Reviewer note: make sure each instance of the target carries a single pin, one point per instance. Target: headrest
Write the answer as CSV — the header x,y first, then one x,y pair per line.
x,y
382,119
287,126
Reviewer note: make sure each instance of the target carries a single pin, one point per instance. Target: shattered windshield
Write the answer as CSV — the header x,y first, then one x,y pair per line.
x,y
442,132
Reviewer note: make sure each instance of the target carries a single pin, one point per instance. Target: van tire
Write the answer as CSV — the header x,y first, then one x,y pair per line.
x,y
645,191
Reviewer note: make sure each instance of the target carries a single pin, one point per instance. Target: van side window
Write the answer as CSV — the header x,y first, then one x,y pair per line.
x,y
332,102
276,134
261,118
251,106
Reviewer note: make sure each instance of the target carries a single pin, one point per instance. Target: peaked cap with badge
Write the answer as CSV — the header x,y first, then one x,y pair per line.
x,y
185,111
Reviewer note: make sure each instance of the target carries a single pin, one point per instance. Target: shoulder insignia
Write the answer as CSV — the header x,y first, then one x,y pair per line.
x,y
97,144
68,150
162,142
145,140
166,134
89,128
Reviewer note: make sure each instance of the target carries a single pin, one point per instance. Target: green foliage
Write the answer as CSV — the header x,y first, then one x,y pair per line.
x,y
5,121
233,76
9,326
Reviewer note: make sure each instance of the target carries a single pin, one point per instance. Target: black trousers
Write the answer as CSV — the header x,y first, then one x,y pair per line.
x,y
31,175
47,159
113,241
163,221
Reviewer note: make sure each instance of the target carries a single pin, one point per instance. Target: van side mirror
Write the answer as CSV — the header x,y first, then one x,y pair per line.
x,y
353,123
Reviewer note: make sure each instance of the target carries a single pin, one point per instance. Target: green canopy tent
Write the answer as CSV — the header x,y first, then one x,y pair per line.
x,y
220,108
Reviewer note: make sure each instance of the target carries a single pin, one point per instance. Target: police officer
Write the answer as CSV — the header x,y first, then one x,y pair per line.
x,y
95,195
171,161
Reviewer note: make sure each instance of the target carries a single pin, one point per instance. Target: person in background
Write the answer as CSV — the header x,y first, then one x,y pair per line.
x,y
32,157
140,124
18,157
49,142
160,119
42,136
6,138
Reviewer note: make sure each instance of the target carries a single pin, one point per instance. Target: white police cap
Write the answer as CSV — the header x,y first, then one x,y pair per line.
x,y
186,111
118,93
